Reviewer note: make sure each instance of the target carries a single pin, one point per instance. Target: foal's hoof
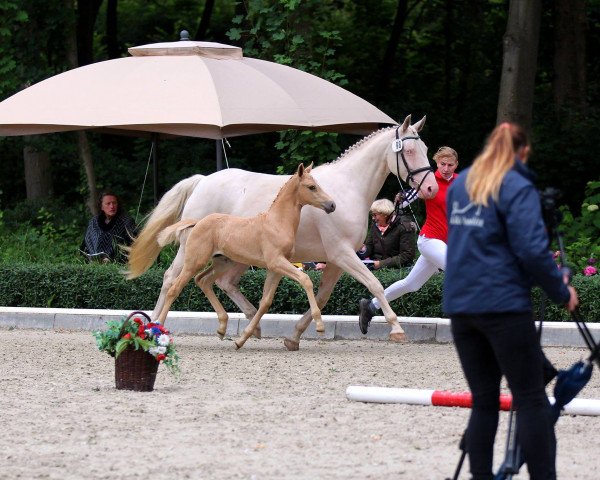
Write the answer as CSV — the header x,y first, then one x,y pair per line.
x,y
221,335
398,337
237,347
257,333
291,345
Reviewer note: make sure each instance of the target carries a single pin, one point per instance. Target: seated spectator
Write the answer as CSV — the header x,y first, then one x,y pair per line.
x,y
390,241
107,230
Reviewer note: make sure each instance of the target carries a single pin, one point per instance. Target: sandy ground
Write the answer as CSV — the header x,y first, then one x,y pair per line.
x,y
259,413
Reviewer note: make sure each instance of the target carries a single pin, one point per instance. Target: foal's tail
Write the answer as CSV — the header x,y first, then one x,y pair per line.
x,y
145,248
172,233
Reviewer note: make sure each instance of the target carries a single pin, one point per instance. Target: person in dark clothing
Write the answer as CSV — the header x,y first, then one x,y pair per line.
x,y
498,249
390,241
107,230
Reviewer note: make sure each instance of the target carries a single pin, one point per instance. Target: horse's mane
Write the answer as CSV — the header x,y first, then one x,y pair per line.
x,y
359,144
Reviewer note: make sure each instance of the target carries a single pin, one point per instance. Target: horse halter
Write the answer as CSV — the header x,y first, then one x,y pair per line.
x,y
398,148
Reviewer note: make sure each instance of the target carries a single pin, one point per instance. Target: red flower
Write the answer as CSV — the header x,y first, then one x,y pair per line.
x,y
142,335
127,336
141,330
160,357
137,320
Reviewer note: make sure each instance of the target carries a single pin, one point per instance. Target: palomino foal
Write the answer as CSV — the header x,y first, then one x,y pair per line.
x,y
265,240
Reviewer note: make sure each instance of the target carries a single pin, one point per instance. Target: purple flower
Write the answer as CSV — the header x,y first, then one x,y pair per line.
x,y
589,271
591,260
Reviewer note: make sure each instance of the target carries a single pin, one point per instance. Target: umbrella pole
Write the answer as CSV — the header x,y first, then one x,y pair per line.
x,y
155,166
219,145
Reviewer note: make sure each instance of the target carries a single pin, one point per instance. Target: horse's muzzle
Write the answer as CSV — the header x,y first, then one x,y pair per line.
x,y
329,207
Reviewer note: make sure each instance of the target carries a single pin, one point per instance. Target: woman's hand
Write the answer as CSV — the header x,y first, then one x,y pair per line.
x,y
573,299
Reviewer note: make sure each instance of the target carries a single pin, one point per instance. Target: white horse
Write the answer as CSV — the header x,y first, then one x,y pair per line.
x,y
354,180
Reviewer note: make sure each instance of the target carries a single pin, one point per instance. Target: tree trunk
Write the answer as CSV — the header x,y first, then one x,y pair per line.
x,y
386,69
38,174
204,21
515,101
87,11
112,44
570,78
83,146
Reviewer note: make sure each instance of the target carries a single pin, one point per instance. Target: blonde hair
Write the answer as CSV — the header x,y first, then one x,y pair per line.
x,y
383,206
445,152
493,163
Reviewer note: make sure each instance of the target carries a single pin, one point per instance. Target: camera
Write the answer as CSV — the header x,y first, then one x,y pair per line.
x,y
550,211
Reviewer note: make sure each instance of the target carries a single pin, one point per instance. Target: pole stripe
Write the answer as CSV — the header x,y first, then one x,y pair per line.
x,y
445,398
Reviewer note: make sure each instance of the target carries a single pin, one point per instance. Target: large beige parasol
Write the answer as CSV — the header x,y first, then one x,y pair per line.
x,y
187,88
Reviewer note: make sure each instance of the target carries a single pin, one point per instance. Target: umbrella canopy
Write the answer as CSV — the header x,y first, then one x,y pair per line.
x,y
187,88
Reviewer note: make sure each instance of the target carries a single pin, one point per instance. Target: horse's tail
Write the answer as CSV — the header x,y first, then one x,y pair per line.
x,y
145,249
172,233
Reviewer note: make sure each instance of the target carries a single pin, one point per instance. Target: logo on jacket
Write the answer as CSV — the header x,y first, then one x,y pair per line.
x,y
466,216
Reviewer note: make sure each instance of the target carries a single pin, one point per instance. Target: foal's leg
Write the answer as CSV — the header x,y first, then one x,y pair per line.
x,y
205,281
227,278
269,288
329,278
284,267
347,259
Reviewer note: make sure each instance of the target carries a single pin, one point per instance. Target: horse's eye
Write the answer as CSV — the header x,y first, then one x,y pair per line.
x,y
312,187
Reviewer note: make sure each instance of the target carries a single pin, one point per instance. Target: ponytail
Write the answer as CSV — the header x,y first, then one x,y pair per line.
x,y
492,164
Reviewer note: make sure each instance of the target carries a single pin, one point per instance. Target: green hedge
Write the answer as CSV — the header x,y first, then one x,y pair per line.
x,y
102,286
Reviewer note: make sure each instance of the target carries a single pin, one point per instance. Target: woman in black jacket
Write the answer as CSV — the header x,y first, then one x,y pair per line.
x,y
390,242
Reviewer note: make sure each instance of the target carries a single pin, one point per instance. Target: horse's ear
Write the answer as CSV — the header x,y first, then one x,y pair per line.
x,y
420,124
406,124
309,168
300,170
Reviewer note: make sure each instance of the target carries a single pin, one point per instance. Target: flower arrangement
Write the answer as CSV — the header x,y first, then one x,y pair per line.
x,y
132,331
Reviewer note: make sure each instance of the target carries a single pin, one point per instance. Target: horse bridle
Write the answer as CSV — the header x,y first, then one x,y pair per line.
x,y
398,147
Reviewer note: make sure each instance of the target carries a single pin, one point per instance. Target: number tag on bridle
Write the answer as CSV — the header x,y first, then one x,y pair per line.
x,y
397,145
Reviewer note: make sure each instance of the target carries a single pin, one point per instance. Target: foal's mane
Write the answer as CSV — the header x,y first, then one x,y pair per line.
x,y
281,189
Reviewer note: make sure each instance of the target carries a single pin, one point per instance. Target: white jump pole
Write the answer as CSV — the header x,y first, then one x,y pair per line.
x,y
443,398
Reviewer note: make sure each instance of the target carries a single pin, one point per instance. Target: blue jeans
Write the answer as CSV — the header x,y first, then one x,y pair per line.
x,y
490,346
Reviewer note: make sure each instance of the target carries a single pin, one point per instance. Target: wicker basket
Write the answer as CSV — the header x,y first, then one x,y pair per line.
x,y
135,369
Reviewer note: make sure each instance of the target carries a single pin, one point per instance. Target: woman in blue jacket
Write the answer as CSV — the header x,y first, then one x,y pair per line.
x,y
499,250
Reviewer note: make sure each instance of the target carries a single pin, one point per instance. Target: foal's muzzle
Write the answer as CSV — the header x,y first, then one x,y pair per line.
x,y
329,206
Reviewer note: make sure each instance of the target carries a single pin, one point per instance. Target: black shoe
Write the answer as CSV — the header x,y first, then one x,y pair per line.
x,y
365,314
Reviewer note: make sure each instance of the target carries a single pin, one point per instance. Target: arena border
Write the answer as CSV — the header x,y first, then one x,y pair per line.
x,y
337,327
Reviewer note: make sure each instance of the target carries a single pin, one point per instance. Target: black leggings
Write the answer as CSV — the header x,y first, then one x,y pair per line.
x,y
492,345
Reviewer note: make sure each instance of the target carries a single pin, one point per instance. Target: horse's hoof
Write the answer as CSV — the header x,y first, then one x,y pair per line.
x,y
257,333
320,328
221,335
237,347
398,337
291,345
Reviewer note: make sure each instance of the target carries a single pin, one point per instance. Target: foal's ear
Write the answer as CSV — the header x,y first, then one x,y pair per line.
x,y
300,170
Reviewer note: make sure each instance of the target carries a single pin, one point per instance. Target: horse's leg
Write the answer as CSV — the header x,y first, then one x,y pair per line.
x,y
269,288
227,278
329,278
347,259
170,274
174,291
205,281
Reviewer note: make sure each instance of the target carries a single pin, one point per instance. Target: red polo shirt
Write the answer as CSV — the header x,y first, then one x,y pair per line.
x,y
436,223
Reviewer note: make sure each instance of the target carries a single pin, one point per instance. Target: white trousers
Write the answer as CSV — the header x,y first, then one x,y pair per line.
x,y
432,259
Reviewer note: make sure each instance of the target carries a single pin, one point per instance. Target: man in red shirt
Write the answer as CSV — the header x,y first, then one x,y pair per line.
x,y
431,242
